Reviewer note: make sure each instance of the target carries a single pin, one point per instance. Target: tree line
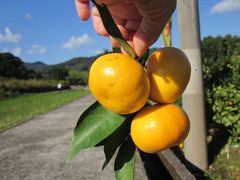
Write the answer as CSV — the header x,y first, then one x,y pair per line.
x,y
13,67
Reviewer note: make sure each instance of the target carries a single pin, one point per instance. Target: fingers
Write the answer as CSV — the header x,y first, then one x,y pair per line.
x,y
124,33
100,29
140,31
155,8
147,33
132,26
142,34
83,9
97,22
155,16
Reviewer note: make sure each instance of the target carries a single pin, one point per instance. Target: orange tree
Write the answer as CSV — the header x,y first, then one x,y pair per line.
x,y
122,118
221,82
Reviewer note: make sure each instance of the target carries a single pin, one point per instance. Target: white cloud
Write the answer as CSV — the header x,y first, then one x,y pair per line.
x,y
99,51
37,49
28,16
76,42
16,51
225,6
9,36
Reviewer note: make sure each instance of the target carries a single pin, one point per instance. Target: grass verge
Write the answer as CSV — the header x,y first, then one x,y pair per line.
x,y
226,165
14,111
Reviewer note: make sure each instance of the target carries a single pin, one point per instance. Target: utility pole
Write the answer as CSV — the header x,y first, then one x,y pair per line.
x,y
195,146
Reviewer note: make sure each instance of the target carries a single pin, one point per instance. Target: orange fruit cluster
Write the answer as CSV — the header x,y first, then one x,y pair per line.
x,y
123,86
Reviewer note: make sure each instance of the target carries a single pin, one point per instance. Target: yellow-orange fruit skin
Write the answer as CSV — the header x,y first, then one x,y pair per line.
x,y
169,72
159,127
119,83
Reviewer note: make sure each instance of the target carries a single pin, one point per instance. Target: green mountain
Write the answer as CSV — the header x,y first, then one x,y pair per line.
x,y
38,66
78,63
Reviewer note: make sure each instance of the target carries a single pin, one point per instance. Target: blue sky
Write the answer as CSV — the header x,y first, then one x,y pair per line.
x,y
51,32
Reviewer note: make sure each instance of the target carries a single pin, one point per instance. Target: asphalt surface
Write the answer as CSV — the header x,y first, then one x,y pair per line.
x,y
37,150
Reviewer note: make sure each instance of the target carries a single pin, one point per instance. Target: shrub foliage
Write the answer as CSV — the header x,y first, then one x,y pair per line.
x,y
221,69
11,87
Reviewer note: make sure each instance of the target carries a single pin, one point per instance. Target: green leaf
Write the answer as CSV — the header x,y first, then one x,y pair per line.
x,y
93,126
112,28
113,141
144,58
116,50
125,161
101,143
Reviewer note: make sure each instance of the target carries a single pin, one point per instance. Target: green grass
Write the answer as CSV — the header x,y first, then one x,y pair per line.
x,y
226,164
16,110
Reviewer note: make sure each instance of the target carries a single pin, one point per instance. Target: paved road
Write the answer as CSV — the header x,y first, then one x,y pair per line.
x,y
37,150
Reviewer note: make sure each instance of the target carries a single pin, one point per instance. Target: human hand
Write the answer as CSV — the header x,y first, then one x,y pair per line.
x,y
140,21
